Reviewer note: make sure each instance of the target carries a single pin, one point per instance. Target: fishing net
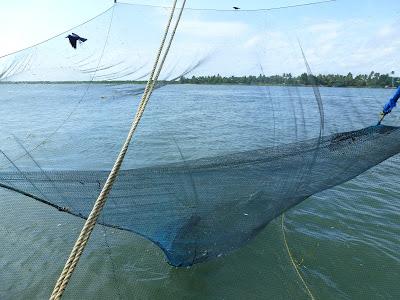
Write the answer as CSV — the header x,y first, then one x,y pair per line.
x,y
224,147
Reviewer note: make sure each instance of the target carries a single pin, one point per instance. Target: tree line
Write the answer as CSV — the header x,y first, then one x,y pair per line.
x,y
373,79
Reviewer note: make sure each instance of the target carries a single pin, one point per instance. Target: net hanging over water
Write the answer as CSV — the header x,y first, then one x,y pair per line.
x,y
210,165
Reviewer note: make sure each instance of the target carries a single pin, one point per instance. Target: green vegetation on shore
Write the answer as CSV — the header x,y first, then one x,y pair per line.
x,y
373,79
331,80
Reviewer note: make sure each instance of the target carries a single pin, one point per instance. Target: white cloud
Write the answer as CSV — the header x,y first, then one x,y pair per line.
x,y
212,29
386,31
267,40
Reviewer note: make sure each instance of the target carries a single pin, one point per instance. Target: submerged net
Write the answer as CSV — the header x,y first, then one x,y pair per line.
x,y
212,163
201,209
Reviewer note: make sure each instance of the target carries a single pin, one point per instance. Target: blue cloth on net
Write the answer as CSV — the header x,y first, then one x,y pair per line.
x,y
392,102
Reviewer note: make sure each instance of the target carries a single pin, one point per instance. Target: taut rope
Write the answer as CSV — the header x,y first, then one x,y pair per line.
x,y
102,198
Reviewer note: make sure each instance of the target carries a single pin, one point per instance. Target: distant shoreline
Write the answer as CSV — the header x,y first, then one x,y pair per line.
x,y
372,80
178,83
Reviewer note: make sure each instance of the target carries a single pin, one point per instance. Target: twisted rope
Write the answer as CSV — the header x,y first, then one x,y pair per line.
x,y
90,223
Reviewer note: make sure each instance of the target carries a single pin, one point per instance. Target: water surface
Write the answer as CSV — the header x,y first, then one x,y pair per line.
x,y
346,240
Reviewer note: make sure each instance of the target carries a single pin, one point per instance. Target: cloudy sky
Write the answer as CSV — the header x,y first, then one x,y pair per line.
x,y
337,37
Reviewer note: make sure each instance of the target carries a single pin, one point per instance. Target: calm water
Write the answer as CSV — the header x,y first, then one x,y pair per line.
x,y
346,240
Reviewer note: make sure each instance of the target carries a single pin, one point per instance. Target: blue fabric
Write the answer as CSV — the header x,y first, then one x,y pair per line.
x,y
392,102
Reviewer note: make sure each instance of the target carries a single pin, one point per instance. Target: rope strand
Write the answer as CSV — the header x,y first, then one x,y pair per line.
x,y
292,260
57,35
102,198
240,10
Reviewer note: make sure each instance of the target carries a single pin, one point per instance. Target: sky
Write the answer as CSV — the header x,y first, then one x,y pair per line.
x,y
337,37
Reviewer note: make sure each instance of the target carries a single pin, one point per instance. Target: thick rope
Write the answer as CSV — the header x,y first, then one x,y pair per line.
x,y
101,200
296,268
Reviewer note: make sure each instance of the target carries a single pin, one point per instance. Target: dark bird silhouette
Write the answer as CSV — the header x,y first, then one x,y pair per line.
x,y
235,7
73,38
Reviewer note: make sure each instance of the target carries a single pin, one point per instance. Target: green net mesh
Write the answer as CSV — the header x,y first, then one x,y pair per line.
x,y
224,147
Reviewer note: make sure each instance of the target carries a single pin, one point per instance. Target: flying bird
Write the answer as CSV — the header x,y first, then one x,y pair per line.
x,y
73,38
235,7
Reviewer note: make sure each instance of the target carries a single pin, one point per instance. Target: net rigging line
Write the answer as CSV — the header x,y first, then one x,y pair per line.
x,y
292,260
59,34
102,198
93,76
23,174
230,10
